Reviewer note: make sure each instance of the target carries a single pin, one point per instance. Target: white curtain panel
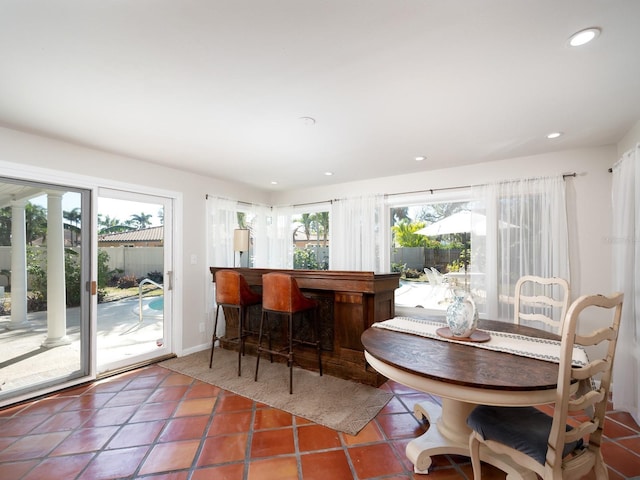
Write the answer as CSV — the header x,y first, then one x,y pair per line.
x,y
279,235
625,243
357,234
221,221
261,216
526,234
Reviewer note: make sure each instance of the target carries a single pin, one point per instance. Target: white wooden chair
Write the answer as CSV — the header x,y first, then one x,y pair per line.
x,y
540,299
545,444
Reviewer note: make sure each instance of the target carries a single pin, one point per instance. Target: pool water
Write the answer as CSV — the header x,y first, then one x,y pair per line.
x,y
157,304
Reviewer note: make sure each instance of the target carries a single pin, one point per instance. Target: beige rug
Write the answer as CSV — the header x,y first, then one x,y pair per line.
x,y
335,403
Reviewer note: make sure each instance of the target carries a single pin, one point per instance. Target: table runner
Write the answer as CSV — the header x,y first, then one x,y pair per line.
x,y
539,348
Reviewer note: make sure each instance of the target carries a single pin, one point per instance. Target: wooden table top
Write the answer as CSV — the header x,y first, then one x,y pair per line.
x,y
462,364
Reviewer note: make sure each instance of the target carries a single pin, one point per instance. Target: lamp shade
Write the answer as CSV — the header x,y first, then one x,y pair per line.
x,y
240,240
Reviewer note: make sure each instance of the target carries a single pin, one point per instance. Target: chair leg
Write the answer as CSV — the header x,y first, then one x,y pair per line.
x,y
474,452
214,337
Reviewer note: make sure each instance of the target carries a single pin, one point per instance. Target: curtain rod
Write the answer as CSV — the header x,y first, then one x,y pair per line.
x,y
311,203
206,197
432,190
429,190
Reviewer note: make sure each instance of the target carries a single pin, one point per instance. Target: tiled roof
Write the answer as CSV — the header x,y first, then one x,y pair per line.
x,y
152,234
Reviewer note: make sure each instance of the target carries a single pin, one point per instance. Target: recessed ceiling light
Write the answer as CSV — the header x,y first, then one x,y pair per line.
x,y
553,135
584,36
273,182
420,158
328,174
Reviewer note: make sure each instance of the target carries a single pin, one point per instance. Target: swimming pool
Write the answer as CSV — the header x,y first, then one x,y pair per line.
x,y
157,304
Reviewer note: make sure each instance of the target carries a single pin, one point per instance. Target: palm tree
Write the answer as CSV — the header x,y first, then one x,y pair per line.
x,y
111,225
404,234
73,218
5,226
36,223
322,223
307,222
398,214
242,220
141,220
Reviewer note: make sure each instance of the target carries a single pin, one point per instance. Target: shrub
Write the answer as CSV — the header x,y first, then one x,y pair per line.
x,y
155,276
103,268
36,302
113,277
412,273
127,281
72,276
305,260
398,267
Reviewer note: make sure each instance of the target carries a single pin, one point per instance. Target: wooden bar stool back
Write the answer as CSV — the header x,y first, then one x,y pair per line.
x,y
232,291
282,296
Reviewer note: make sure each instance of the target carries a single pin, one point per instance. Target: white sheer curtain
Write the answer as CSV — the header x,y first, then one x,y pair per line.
x,y
526,234
259,230
273,238
221,221
358,232
626,278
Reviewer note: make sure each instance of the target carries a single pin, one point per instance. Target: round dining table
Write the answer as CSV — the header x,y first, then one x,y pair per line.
x,y
463,376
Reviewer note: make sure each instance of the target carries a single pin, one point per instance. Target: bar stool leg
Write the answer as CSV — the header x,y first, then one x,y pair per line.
x,y
259,348
241,311
290,356
214,337
317,339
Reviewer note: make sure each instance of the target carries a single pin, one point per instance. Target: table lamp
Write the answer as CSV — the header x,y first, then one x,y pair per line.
x,y
241,241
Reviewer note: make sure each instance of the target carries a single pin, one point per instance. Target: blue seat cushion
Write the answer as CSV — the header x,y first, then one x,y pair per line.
x,y
523,428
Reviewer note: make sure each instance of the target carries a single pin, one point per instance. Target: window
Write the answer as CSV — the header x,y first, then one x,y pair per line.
x,y
431,247
310,236
245,255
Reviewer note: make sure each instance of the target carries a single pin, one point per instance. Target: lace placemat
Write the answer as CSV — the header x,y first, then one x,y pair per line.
x,y
539,348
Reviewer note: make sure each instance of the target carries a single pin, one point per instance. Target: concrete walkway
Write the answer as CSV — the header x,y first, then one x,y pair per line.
x,y
23,360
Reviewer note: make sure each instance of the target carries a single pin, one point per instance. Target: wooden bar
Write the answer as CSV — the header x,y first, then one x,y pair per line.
x,y
350,302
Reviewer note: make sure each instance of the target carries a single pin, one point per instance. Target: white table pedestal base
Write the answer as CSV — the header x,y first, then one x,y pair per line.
x,y
448,433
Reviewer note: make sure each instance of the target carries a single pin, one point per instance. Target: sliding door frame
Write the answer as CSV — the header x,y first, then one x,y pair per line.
x,y
93,184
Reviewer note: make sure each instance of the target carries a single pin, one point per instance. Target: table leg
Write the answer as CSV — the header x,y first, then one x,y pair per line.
x,y
451,436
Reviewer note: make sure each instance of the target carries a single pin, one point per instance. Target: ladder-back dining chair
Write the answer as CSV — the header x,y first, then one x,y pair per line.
x,y
233,292
547,445
541,299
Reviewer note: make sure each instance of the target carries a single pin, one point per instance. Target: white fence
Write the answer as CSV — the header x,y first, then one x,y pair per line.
x,y
138,261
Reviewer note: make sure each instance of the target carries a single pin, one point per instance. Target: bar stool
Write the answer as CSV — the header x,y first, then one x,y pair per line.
x,y
232,291
282,296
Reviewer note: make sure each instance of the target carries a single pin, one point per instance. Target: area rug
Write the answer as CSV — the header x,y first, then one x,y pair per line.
x,y
335,403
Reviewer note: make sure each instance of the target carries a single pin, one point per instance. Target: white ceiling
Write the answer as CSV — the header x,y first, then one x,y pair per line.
x,y
218,87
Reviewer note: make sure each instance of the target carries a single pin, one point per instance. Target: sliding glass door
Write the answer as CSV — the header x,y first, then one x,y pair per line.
x,y
44,287
134,279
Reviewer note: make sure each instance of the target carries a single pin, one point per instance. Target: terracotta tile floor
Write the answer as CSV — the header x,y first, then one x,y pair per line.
x,y
156,424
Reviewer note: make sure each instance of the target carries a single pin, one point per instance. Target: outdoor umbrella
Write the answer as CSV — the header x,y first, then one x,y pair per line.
x,y
459,222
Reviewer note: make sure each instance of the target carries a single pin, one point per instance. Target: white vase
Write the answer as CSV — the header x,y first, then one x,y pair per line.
x,y
462,317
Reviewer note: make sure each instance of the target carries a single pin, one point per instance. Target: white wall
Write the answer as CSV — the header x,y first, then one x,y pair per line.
x,y
630,140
